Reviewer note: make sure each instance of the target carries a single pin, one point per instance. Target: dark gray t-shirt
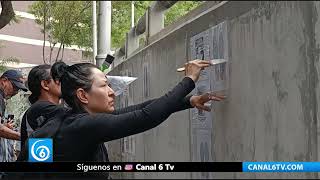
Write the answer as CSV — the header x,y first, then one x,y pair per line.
x,y
4,155
2,103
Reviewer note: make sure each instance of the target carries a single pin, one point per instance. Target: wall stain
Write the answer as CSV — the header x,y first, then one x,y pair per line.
x,y
282,95
268,118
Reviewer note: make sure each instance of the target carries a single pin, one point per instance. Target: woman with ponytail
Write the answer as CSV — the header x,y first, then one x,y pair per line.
x,y
93,119
80,132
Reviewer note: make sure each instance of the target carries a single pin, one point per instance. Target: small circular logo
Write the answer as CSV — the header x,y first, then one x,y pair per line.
x,y
40,153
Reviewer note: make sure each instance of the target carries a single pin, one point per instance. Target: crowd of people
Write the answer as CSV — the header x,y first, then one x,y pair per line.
x,y
75,106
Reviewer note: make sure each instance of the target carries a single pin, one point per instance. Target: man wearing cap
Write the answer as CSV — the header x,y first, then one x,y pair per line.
x,y
11,82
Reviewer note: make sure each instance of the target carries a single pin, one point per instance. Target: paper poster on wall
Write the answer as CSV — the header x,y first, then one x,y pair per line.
x,y
130,89
207,45
146,80
124,96
202,151
203,83
201,119
127,143
200,45
219,48
128,148
200,49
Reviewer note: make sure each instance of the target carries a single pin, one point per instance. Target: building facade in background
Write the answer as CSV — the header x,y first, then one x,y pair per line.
x,y
24,40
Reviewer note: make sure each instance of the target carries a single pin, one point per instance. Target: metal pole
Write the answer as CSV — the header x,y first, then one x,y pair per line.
x,y
104,32
132,13
94,29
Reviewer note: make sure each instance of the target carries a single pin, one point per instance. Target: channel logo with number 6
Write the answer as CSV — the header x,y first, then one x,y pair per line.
x,y
40,150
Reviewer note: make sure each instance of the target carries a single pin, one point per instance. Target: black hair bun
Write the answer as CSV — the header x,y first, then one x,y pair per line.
x,y
58,70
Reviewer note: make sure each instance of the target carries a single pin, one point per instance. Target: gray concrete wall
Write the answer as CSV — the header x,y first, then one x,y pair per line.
x,y
271,113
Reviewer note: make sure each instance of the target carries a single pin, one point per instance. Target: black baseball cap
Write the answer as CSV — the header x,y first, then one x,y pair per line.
x,y
15,77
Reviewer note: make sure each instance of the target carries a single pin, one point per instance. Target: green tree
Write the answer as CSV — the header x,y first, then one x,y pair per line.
x,y
70,22
64,22
121,19
179,9
5,61
121,16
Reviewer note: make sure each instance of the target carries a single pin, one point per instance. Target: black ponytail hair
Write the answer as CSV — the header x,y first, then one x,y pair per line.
x,y
36,75
75,77
58,69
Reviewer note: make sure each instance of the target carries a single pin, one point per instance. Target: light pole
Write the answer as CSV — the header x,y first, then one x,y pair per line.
x,y
132,13
104,32
94,29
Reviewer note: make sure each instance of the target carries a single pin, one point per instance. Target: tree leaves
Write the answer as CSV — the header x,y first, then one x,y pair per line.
x,y
63,19
70,22
6,61
179,9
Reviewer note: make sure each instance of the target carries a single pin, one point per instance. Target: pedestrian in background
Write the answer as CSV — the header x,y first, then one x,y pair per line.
x,y
44,84
11,82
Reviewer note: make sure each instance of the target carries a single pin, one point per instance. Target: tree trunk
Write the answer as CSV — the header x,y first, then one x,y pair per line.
x,y
62,52
7,13
44,34
50,51
58,52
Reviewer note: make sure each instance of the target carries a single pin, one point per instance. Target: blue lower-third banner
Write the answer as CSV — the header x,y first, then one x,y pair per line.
x,y
281,166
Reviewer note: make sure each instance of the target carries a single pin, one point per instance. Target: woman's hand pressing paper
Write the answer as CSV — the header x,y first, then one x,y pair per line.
x,y
193,68
198,101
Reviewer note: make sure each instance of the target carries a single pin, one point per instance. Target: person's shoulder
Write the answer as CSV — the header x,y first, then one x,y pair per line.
x,y
78,116
41,104
37,107
77,119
